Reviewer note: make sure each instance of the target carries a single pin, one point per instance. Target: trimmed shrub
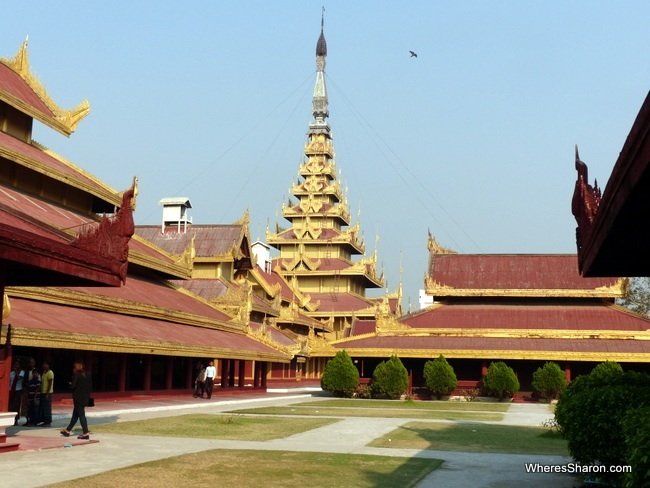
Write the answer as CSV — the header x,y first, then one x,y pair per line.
x,y
591,414
340,377
549,381
636,428
500,381
440,377
391,378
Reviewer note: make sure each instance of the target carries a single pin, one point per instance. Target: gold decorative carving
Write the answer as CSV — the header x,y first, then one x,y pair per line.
x,y
6,306
433,288
436,248
65,121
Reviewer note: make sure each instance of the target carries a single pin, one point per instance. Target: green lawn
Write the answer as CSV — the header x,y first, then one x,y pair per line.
x,y
228,426
267,469
411,405
395,412
474,438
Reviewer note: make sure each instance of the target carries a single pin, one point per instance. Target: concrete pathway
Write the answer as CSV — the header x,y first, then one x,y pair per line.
x,y
25,469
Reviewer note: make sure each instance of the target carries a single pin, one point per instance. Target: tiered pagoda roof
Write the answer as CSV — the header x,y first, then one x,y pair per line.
x,y
534,307
320,246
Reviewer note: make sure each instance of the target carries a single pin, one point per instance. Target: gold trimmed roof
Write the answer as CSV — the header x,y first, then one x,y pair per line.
x,y
49,113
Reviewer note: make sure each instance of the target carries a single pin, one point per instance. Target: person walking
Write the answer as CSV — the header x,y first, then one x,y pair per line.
x,y
81,389
200,382
210,374
47,389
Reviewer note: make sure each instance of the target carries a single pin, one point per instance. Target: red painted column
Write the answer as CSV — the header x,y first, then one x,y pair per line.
x,y
146,371
225,372
88,362
256,374
121,373
6,356
189,372
242,373
484,368
169,373
231,373
264,372
567,371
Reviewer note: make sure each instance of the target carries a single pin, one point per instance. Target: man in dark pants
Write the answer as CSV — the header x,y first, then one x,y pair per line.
x,y
210,373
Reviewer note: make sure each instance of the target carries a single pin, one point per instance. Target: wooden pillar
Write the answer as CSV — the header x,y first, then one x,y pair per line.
x,y
189,374
484,368
567,371
225,372
88,361
146,372
121,373
256,374
242,373
6,355
231,373
169,373
264,372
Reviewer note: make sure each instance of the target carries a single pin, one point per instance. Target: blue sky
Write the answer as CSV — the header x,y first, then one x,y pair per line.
x,y
473,140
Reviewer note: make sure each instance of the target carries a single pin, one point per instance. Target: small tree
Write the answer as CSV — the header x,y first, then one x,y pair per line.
x,y
592,413
440,377
549,381
340,377
391,378
500,381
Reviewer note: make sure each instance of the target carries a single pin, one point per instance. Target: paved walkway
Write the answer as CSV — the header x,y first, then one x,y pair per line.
x,y
24,469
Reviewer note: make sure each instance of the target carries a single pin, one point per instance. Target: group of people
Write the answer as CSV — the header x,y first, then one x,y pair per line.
x,y
204,383
30,393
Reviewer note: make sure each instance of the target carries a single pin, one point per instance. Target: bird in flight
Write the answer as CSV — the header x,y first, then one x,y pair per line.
x,y
413,55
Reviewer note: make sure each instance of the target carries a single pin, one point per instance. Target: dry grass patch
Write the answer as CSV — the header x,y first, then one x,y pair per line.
x,y
228,426
268,469
474,438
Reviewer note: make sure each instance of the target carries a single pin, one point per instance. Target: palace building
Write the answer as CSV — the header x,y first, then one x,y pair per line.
x,y
64,233
524,309
144,305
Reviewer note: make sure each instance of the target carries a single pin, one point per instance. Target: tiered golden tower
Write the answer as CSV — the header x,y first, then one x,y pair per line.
x,y
317,250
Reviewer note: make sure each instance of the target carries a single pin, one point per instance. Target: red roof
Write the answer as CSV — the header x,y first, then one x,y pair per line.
x,y
64,320
209,240
139,290
587,316
512,271
273,279
360,327
496,346
208,289
16,87
340,302
274,334
56,169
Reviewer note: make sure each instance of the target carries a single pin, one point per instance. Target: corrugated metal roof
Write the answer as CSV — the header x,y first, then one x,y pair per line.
x,y
34,315
493,345
512,271
588,316
139,290
209,240
15,86
346,302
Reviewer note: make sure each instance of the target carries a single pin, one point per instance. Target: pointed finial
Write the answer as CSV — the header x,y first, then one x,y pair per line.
x,y
321,45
